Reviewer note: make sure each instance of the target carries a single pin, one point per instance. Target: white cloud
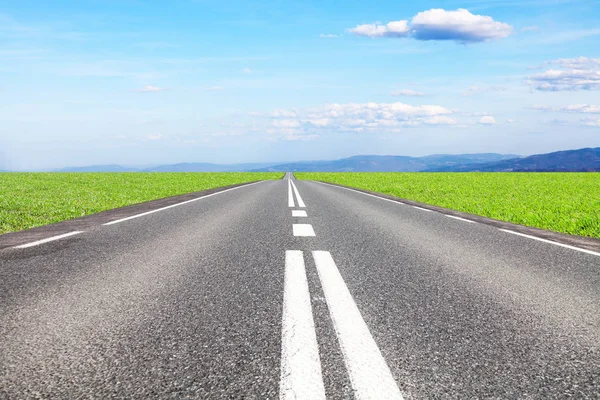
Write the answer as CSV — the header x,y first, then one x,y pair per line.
x,y
474,114
487,120
364,118
328,35
440,120
459,25
438,24
510,121
391,29
357,117
582,108
580,73
247,71
573,108
284,113
591,122
539,107
407,92
370,111
320,123
150,89
530,29
286,123
215,88
577,63
154,137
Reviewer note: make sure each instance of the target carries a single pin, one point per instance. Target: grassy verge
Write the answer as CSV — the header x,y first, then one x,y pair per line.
x,y
28,200
561,202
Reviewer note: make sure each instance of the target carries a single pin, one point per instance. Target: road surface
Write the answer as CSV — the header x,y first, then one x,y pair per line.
x,y
298,290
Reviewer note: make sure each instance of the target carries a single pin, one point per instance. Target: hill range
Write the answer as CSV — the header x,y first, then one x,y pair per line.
x,y
581,160
370,163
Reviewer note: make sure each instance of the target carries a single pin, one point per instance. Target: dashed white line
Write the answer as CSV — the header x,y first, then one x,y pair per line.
x,y
358,191
551,242
423,209
301,377
300,202
299,213
50,239
303,230
504,230
459,218
178,204
290,195
369,374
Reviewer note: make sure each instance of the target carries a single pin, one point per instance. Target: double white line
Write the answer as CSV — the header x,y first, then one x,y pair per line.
x,y
291,196
301,376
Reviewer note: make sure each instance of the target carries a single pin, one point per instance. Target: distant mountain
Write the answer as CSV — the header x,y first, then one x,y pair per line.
x,y
183,167
99,168
572,160
388,163
582,160
207,167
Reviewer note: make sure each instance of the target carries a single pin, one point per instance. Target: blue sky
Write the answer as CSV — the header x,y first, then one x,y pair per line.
x,y
153,82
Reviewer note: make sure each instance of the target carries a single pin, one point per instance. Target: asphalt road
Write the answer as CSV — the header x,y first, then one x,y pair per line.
x,y
233,297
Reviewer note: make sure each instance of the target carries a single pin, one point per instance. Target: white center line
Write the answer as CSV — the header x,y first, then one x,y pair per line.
x,y
421,208
369,374
303,230
301,377
290,195
299,213
178,204
300,202
551,242
50,239
460,219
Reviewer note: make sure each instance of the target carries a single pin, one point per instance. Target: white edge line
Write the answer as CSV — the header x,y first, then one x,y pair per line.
x,y
504,230
300,202
369,374
421,208
178,204
50,239
301,377
552,242
459,218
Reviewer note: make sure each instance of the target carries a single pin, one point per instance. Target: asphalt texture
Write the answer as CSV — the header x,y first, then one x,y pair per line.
x,y
187,303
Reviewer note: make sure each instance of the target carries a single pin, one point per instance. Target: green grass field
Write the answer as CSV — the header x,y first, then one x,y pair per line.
x,y
28,200
561,202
